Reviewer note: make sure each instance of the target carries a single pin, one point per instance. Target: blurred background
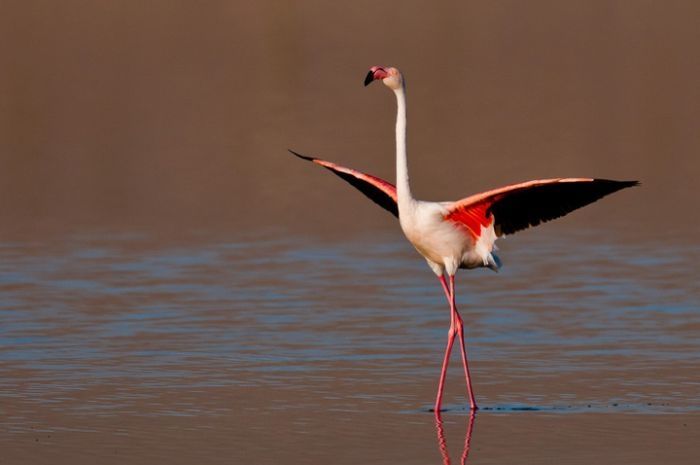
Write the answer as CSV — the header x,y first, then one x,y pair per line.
x,y
174,116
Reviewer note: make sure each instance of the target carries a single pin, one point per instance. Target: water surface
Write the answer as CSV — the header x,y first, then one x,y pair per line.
x,y
121,347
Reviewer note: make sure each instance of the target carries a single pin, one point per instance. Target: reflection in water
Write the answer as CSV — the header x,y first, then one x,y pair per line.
x,y
442,442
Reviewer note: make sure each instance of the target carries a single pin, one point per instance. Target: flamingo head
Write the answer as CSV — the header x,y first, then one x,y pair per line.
x,y
391,77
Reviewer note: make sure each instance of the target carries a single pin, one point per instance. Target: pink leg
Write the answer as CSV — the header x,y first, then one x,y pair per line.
x,y
448,350
460,331
456,327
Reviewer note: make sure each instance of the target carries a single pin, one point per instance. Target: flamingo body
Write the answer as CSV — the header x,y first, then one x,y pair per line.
x,y
447,244
462,233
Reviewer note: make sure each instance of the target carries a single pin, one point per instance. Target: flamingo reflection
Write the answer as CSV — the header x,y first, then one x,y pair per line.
x,y
442,442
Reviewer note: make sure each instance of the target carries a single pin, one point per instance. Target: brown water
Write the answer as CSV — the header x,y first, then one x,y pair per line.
x,y
119,347
176,288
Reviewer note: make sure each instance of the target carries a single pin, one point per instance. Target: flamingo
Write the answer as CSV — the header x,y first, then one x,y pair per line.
x,y
462,233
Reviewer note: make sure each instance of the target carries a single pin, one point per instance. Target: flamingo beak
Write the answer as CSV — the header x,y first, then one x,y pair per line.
x,y
375,73
369,78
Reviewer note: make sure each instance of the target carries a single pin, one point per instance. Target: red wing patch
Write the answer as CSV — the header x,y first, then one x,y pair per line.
x,y
472,217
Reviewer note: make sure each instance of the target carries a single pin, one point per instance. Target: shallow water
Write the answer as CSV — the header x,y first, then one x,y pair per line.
x,y
119,347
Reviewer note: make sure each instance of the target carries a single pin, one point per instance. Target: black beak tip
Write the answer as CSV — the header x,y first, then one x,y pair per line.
x,y
369,78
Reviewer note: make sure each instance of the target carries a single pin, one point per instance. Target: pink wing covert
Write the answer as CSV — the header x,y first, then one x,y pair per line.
x,y
379,191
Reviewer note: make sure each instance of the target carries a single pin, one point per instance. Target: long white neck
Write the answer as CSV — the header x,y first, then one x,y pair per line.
x,y
403,190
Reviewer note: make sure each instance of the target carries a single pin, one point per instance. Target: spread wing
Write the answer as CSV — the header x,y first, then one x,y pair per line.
x,y
376,189
519,206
